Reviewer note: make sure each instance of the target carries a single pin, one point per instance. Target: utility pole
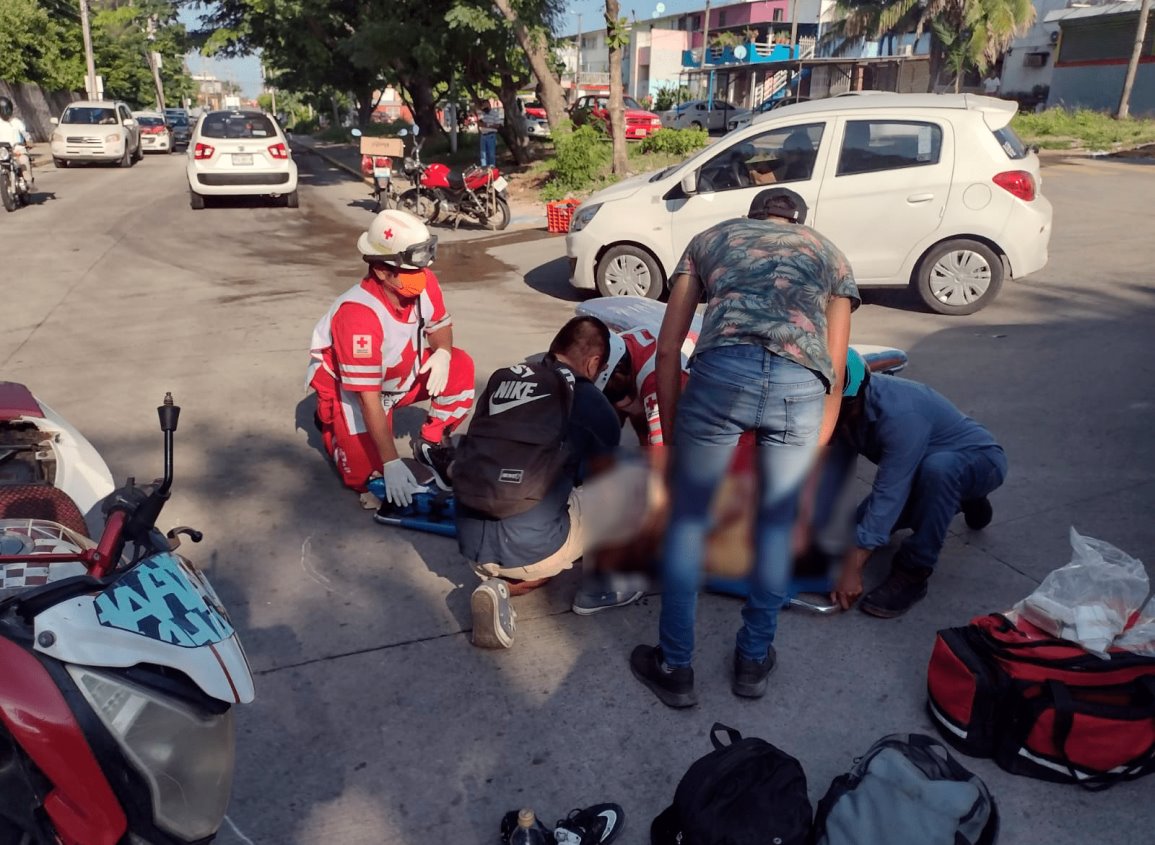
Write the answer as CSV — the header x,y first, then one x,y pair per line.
x,y
706,52
1124,110
154,63
90,63
577,71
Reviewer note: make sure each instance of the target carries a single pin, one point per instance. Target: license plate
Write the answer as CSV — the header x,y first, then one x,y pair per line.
x,y
499,184
382,172
242,158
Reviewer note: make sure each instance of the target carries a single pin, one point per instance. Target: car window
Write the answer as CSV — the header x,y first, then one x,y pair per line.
x,y
1011,143
631,103
89,115
145,120
780,155
869,146
124,113
237,125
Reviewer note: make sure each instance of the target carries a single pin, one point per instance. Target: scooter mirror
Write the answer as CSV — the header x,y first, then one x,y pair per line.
x,y
403,133
416,130
356,133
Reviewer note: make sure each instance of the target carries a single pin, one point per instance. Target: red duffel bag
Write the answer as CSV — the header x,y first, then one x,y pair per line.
x,y
1043,707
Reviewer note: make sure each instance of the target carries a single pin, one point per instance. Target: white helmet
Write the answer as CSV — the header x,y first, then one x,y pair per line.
x,y
617,352
398,238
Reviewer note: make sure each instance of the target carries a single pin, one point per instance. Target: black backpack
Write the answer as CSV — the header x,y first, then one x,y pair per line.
x,y
746,792
907,790
516,445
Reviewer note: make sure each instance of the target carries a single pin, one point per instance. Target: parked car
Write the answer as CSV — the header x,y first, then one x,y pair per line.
x,y
180,124
744,117
640,123
155,134
96,130
240,153
700,114
932,191
534,110
537,128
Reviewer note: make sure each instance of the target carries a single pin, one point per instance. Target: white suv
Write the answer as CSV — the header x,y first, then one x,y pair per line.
x,y
240,153
96,130
934,191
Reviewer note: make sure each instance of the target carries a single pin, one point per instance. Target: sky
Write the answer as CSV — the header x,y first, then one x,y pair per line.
x,y
246,72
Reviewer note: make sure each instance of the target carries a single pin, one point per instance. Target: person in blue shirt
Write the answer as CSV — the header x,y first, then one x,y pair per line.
x,y
933,462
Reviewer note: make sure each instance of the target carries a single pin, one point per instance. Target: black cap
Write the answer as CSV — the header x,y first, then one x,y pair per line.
x,y
778,202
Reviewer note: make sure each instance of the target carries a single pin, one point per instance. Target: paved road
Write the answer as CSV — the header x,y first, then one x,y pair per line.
x,y
376,722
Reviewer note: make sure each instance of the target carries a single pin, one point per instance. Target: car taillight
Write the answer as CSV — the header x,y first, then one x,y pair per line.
x,y
278,151
1018,182
203,151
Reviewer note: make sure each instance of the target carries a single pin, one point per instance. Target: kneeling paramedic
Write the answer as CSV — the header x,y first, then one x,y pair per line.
x,y
385,343
540,431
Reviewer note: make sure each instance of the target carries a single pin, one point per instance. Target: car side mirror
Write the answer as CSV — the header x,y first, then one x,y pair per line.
x,y
690,183
129,122
55,121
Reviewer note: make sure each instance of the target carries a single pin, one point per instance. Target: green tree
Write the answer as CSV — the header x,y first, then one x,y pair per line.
x,y
123,35
40,42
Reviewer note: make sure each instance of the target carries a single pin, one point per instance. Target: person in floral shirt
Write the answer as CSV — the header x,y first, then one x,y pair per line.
x,y
770,359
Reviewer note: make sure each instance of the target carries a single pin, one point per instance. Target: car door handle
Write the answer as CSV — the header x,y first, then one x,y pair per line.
x,y
917,198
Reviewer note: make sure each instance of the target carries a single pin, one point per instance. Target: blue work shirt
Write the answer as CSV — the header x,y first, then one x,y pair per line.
x,y
526,538
903,422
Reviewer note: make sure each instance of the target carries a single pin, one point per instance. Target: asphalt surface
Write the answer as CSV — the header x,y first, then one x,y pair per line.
x,y
376,721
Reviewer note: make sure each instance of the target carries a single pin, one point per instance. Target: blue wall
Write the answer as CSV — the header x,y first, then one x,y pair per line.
x,y
1099,86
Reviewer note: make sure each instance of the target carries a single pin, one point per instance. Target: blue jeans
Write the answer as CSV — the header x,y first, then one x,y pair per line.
x,y
734,389
488,149
943,481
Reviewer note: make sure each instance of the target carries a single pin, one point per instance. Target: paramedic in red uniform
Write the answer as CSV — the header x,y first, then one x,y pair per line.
x,y
385,343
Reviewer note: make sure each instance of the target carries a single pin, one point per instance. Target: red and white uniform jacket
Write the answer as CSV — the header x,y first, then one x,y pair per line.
x,y
642,347
364,343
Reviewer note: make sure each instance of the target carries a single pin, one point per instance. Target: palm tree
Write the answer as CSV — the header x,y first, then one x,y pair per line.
x,y
964,33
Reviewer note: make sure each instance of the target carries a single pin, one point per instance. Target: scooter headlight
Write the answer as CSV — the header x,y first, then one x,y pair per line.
x,y
186,757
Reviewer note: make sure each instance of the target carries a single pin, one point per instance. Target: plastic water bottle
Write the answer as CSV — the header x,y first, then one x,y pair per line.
x,y
529,830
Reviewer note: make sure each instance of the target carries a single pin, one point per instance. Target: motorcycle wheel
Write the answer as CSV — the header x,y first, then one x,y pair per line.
x,y
6,194
423,205
500,217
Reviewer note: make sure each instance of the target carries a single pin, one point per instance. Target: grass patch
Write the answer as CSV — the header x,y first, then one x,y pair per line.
x,y
1061,129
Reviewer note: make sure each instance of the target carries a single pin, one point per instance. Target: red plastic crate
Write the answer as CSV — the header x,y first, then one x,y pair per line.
x,y
559,213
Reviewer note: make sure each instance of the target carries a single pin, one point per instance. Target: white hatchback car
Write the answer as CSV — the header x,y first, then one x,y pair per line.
x,y
240,153
96,130
932,191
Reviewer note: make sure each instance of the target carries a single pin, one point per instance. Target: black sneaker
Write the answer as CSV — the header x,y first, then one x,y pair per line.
x,y
596,825
673,687
438,457
977,513
750,676
902,590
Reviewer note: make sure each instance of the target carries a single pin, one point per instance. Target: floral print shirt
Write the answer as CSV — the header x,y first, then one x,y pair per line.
x,y
768,284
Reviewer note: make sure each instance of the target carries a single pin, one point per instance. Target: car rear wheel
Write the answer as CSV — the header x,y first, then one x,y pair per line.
x,y
292,200
695,124
196,201
629,271
139,154
959,277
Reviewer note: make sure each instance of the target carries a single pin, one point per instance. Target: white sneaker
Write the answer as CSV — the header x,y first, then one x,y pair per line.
x,y
494,618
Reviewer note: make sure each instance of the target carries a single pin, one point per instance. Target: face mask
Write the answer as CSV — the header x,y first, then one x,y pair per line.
x,y
409,284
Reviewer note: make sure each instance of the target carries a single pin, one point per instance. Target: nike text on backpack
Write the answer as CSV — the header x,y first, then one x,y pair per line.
x,y
906,790
1041,706
515,448
744,792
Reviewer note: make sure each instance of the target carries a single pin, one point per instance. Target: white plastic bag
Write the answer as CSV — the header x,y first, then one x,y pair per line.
x,y
1089,600
1140,638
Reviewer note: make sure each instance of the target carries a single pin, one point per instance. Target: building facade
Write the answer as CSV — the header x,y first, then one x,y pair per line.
x,y
1094,48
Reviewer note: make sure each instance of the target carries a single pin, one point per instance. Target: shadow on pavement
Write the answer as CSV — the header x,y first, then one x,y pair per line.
x,y
552,279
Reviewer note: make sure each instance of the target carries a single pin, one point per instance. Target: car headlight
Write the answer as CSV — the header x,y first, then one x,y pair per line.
x,y
110,139
583,216
186,757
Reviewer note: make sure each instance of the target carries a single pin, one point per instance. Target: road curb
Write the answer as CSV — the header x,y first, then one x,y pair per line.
x,y
333,160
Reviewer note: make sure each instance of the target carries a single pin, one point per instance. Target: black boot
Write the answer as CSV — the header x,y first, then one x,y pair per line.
x,y
977,513
902,590
673,687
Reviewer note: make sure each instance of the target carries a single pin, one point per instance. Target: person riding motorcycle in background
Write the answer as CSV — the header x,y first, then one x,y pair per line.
x,y
14,132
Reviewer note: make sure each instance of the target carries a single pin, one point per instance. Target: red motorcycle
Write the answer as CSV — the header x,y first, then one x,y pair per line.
x,y
477,193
